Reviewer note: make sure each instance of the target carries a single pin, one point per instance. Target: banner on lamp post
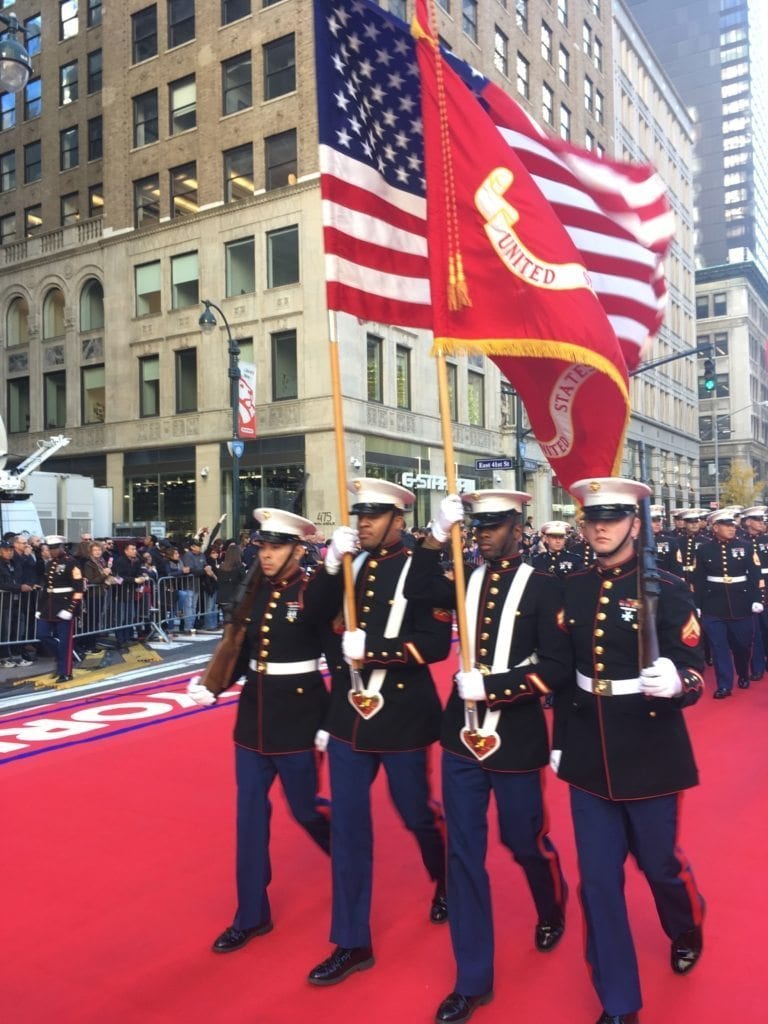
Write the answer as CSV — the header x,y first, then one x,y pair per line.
x,y
246,419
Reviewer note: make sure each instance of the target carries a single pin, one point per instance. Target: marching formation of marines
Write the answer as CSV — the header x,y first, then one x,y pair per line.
x,y
553,619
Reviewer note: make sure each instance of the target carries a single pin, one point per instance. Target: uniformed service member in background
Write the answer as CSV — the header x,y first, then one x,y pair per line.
x,y
59,603
390,723
727,589
695,536
625,750
753,521
668,555
556,558
518,651
281,707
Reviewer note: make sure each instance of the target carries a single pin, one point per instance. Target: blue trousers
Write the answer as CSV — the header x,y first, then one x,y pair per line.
x,y
731,643
352,774
57,636
467,787
759,645
606,831
255,774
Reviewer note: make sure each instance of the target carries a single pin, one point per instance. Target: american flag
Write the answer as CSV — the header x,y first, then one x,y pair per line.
x,y
373,187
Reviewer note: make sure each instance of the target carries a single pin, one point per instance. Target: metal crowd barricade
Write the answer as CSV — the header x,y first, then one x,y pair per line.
x,y
17,620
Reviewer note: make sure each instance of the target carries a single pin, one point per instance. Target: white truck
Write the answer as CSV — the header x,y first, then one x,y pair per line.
x,y
18,513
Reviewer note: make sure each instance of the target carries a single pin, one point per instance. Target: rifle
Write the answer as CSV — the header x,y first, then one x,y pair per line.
x,y
649,588
221,670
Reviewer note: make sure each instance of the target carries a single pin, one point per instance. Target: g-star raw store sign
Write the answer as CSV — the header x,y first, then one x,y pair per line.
x,y
430,482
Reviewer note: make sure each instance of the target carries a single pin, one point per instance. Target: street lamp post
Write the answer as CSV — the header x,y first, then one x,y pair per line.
x,y
15,64
207,322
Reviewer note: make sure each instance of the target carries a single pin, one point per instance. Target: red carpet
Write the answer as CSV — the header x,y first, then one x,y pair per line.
x,y
118,874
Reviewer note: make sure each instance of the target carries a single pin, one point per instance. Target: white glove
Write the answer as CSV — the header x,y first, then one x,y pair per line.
x,y
661,679
353,645
200,694
554,760
64,614
450,511
470,684
321,740
757,608
344,541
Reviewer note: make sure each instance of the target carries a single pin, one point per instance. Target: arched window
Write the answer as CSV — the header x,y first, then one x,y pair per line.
x,y
17,322
92,305
53,314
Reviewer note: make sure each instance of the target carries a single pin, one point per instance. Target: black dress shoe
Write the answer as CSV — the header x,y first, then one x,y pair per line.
x,y
686,950
438,912
233,938
64,679
341,963
756,676
548,934
621,1018
721,693
456,1008
743,683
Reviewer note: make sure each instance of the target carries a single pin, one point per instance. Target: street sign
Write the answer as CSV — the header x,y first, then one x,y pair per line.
x,y
521,449
494,464
236,448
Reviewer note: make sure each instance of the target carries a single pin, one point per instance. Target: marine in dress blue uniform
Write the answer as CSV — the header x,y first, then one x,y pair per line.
x,y
281,707
519,651
668,554
386,718
624,747
727,587
556,559
753,521
59,602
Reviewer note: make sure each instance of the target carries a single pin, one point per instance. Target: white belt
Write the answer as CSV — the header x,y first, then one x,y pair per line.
x,y
726,579
61,590
764,571
284,668
608,687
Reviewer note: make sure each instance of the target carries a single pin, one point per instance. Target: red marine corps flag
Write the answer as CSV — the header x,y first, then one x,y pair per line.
x,y
508,281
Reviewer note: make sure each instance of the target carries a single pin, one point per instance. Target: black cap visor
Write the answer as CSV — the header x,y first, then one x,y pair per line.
x,y
608,513
278,538
481,519
371,508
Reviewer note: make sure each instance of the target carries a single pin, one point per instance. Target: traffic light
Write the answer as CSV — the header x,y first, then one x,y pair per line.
x,y
709,375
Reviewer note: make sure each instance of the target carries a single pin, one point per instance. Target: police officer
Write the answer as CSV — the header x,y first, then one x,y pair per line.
x,y
387,717
59,602
625,749
282,705
556,559
518,652
727,588
668,556
753,521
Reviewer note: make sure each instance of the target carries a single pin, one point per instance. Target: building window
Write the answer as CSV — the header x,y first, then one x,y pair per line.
x,y
521,15
33,99
589,93
565,123
374,351
94,71
69,148
186,380
96,200
33,220
562,11
149,386
68,86
70,208
147,283
597,54
547,104
182,105
283,256
476,398
240,267
93,395
7,111
279,67
184,199
599,107
403,376
702,307
32,34
720,339
8,171
92,306
93,16
95,139
146,201
67,19
32,162
453,393
145,122
564,66
469,18
233,10
181,22
280,159
236,91
17,408
185,284
238,173
7,228
719,304
284,366
55,399
546,42
144,34
523,76
53,314
17,322
500,51
586,38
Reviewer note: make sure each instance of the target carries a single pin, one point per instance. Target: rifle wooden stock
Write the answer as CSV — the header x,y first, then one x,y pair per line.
x,y
649,588
220,672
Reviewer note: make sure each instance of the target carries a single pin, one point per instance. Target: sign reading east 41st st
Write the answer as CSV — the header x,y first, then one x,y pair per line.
x,y
493,464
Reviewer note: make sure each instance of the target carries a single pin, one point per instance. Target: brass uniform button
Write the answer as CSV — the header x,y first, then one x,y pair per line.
x,y
494,591
522,686
483,651
491,604
599,666
651,714
369,593
366,607
484,636
495,576
401,686
263,654
268,615
487,619
491,696
599,650
373,564
265,629
507,693
607,585
598,632
275,594
601,616
605,600
273,604
299,689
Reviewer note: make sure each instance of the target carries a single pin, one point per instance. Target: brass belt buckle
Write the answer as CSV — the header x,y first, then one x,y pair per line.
x,y
727,579
602,687
261,666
